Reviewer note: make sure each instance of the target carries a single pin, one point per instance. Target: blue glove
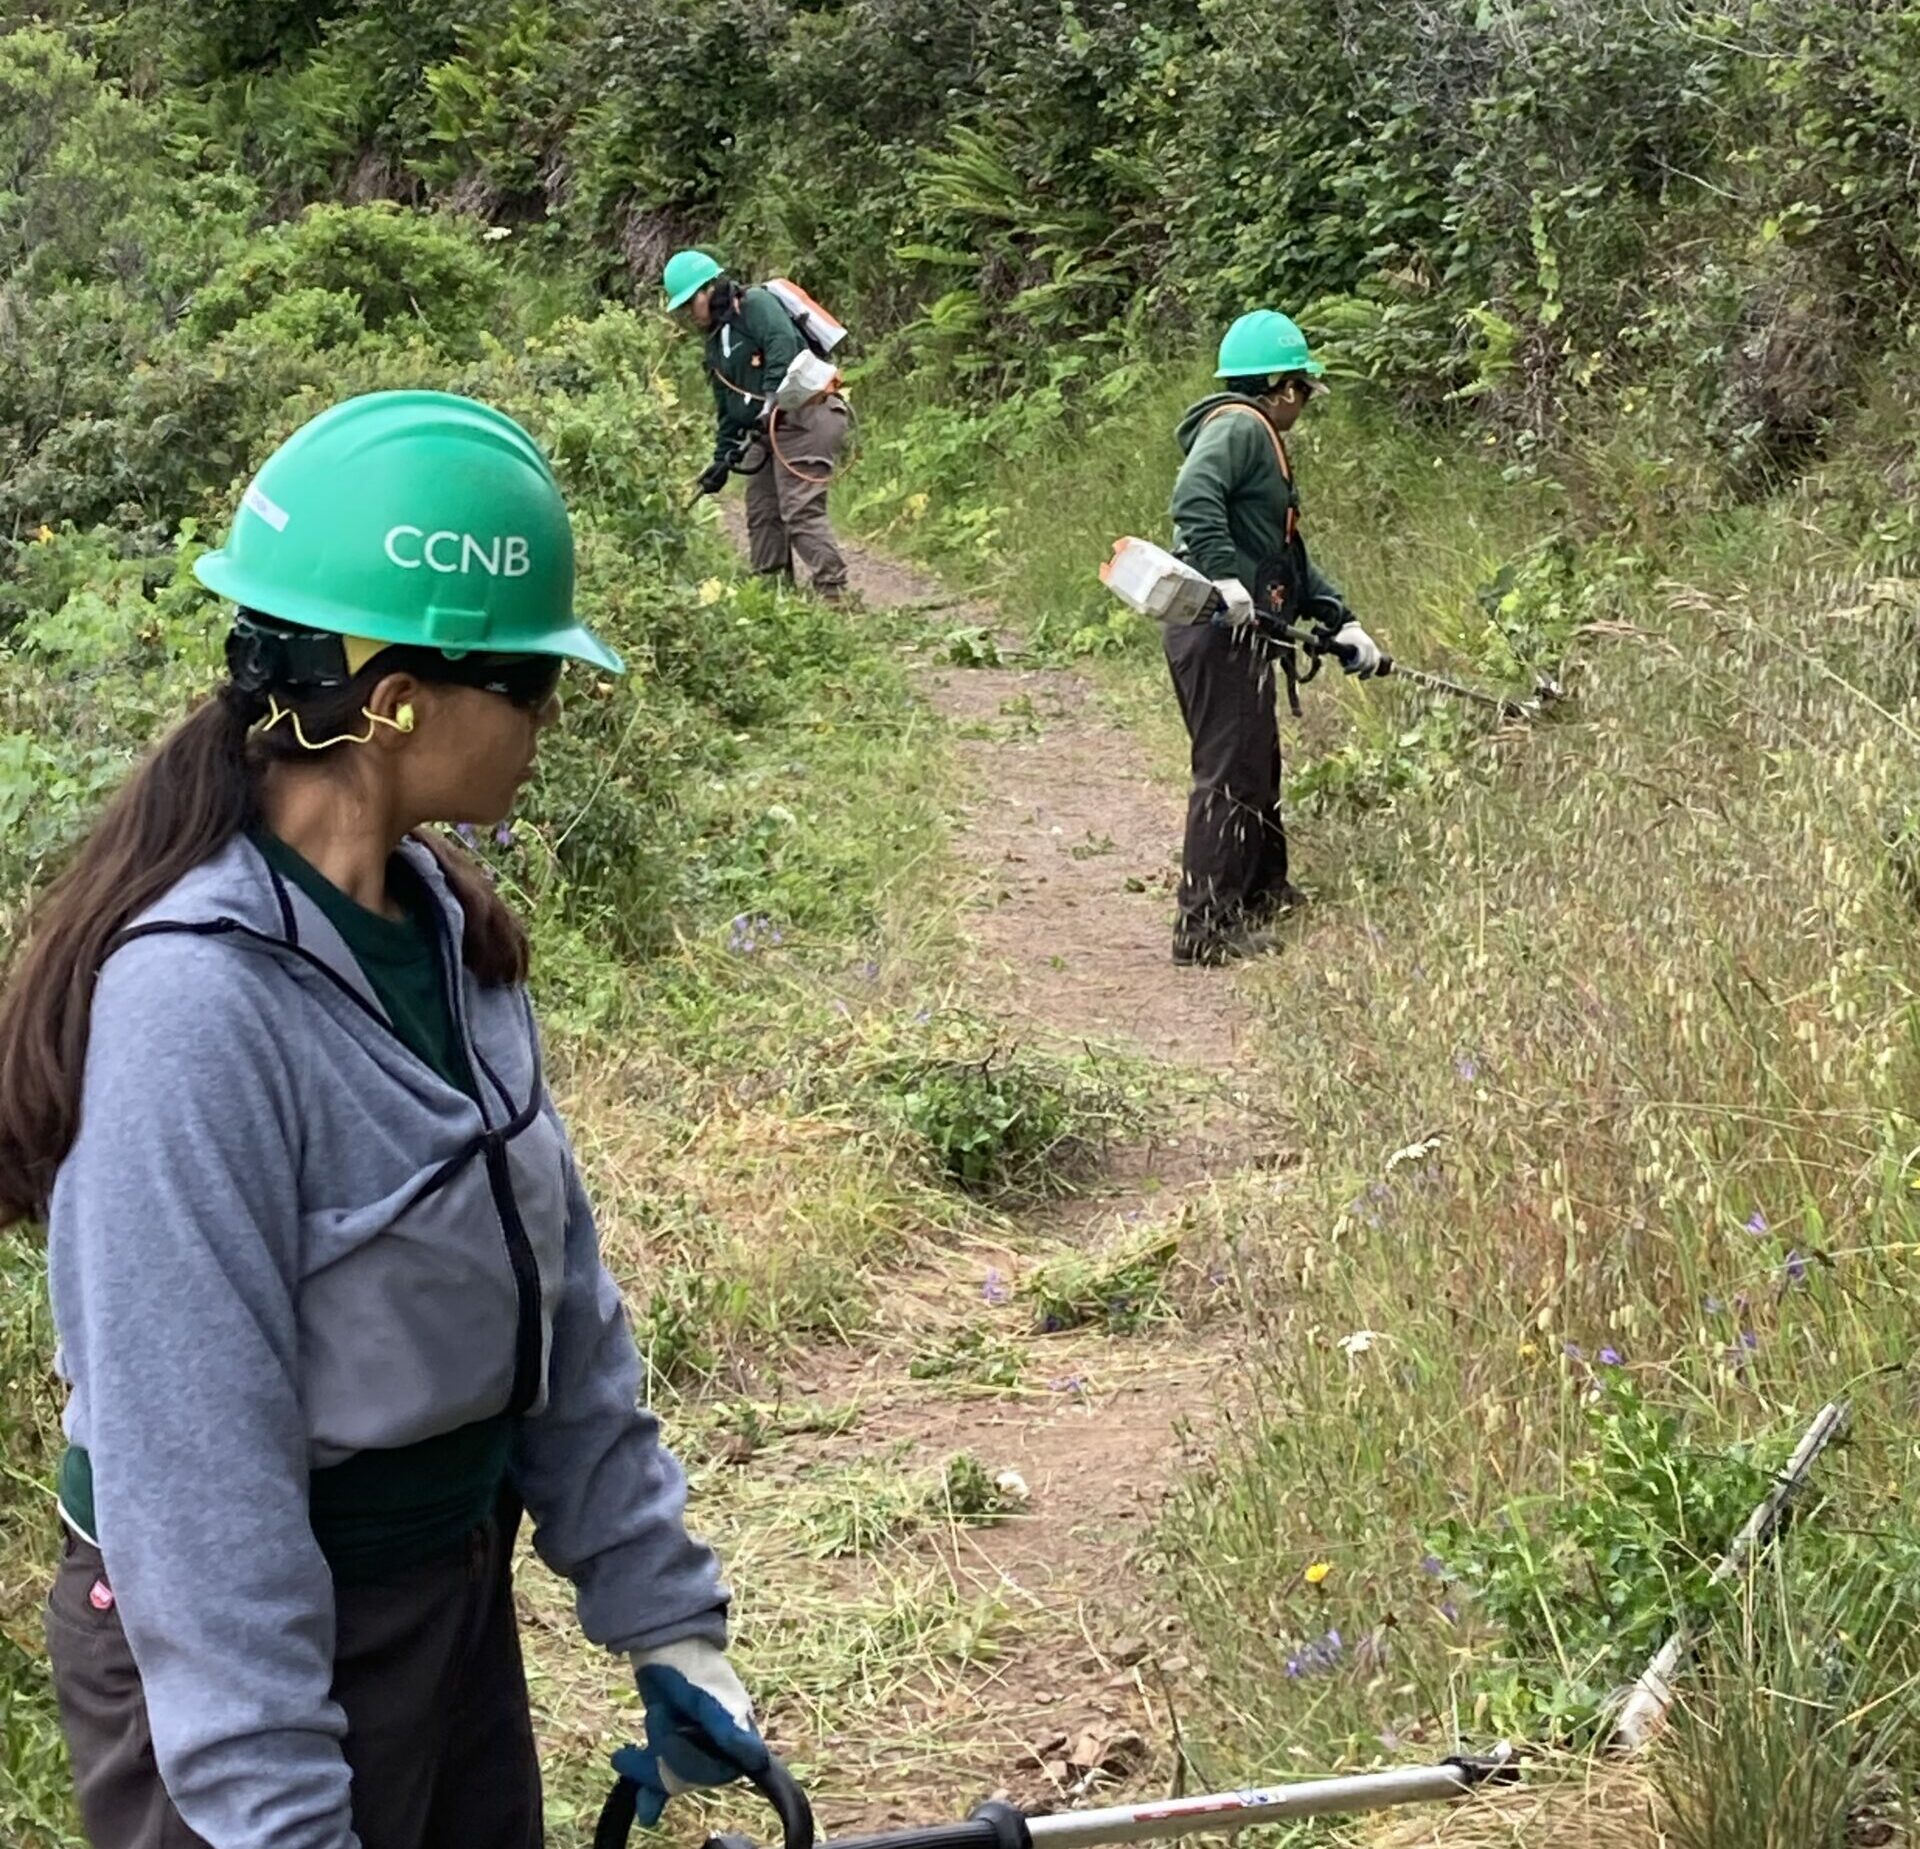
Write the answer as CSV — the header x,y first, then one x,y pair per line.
x,y
700,1728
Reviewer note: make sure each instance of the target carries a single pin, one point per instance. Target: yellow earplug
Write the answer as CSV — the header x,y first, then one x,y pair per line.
x,y
402,721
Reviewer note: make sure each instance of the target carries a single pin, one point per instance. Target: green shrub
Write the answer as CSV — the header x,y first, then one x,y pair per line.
x,y
1584,1588
398,271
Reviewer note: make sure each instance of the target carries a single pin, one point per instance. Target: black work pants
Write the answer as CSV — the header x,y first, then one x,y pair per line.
x,y
426,1666
1234,867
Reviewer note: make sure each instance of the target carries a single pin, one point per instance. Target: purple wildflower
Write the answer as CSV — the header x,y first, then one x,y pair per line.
x,y
1610,1357
1433,1566
1795,1269
994,1288
1450,1611
1713,1306
748,932
466,832
1748,1340
1572,1351
1067,1383
503,835
1467,1066
1757,1223
869,971
1316,1658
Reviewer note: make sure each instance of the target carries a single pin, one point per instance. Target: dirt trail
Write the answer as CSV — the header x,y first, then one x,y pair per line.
x,y
1076,846
1073,844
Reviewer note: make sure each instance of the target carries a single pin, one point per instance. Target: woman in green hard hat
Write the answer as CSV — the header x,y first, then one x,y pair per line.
x,y
330,1303
1236,517
788,455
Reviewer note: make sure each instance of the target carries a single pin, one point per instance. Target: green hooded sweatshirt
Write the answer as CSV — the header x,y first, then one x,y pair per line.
x,y
1233,499
748,353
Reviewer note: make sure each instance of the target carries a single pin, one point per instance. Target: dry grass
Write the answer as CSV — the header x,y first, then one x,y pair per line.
x,y
1563,1803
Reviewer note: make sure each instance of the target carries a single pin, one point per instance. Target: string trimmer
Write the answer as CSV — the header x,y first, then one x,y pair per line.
x,y
1152,581
997,1825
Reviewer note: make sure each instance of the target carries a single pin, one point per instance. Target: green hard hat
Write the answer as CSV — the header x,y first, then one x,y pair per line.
x,y
686,274
1264,342
413,517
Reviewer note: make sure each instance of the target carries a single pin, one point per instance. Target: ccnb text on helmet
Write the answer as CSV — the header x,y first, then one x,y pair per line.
x,y
503,556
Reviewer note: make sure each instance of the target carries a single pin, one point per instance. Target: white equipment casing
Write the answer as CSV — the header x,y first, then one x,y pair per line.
x,y
823,329
808,377
1149,579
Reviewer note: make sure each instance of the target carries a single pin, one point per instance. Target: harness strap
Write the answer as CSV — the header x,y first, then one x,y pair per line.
x,y
1279,452
751,397
772,429
772,418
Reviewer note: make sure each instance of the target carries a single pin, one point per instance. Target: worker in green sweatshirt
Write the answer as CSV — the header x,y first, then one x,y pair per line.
x,y
787,452
1236,517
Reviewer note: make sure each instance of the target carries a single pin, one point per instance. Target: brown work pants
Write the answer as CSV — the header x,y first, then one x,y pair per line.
x,y
1234,867
787,494
426,1666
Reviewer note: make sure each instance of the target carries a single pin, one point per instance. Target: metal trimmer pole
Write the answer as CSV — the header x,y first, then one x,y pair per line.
x,y
1000,1825
1320,1797
1503,704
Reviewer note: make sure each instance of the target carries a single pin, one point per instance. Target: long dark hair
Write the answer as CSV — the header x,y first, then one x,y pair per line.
x,y
191,795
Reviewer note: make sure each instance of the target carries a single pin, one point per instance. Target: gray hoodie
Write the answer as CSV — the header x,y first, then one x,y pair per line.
x,y
279,1239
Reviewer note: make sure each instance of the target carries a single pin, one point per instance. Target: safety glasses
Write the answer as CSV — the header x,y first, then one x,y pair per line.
x,y
525,681
263,653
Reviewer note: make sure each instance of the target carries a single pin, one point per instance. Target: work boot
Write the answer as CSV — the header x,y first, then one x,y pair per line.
x,y
1212,949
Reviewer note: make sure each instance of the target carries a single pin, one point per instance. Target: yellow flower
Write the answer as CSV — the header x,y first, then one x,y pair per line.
x,y
1317,1572
711,592
45,533
916,505
1528,1350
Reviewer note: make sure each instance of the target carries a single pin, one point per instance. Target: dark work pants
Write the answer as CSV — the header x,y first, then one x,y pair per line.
x,y
787,495
1235,864
426,1666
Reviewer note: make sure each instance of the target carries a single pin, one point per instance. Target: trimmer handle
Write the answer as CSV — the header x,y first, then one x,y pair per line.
x,y
1344,654
1314,644
774,1782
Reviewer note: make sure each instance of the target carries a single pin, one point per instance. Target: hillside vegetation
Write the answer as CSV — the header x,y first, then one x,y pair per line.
x,y
1595,1065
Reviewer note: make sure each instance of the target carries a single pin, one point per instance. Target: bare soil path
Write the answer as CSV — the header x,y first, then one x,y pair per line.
x,y
1071,842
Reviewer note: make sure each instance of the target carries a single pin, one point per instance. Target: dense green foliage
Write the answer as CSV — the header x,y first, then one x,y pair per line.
x,y
1537,204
